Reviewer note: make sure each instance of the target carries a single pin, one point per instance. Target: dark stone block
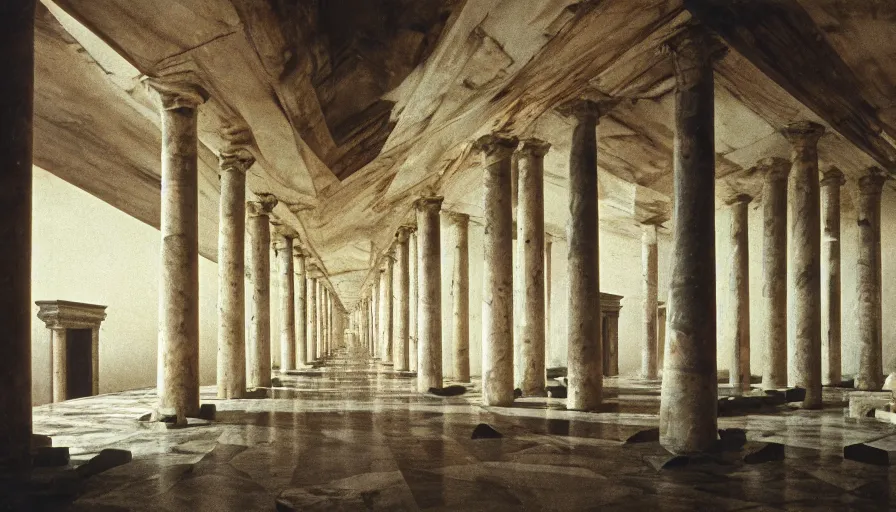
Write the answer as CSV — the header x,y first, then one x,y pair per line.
x,y
649,435
795,395
207,411
757,453
555,373
454,390
849,383
40,441
276,383
47,457
732,439
870,454
106,459
485,431
517,393
556,391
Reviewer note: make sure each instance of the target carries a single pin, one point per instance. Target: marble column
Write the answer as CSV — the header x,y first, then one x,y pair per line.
x,y
689,397
321,320
401,350
738,319
386,325
805,259
258,353
311,318
429,312
412,305
301,305
16,106
233,163
331,339
774,271
548,248
178,370
497,271
59,342
868,282
649,273
363,324
460,294
375,313
530,249
283,247
584,355
830,282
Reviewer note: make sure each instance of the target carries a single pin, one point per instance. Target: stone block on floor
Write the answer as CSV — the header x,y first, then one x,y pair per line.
x,y
863,403
880,452
106,459
49,456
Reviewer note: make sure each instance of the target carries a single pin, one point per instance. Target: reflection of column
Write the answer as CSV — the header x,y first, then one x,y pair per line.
x,y
59,340
429,314
233,163
283,248
585,358
460,295
178,369
258,353
386,327
548,247
830,282
412,305
301,306
530,250
648,304
497,272
688,404
805,256
774,271
311,284
868,278
400,352
738,328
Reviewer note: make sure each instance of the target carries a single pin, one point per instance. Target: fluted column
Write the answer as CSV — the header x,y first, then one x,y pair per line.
x,y
688,404
301,306
805,259
258,353
868,280
178,369
649,273
283,247
497,271
738,320
774,271
429,313
233,163
530,250
460,295
401,353
413,266
311,319
830,282
584,352
386,326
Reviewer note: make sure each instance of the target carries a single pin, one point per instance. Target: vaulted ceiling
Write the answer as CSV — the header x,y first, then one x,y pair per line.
x,y
356,107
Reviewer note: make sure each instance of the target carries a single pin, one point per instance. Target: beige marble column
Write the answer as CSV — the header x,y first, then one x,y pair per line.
x,y
548,248
830,282
319,342
178,370
375,314
386,325
413,288
283,248
584,355
363,323
738,319
805,259
301,307
258,352
773,302
59,343
497,271
649,273
429,313
331,339
233,164
16,107
868,282
460,294
661,334
311,318
530,249
400,353
689,396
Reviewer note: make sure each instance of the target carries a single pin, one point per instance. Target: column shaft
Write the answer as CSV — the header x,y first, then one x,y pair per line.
x,y
59,340
738,328
774,271
258,353
301,312
460,296
830,282
386,309
412,305
649,273
402,302
429,314
283,248
311,321
868,278
548,248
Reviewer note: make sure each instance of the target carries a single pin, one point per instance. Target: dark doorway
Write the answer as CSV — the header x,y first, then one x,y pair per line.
x,y
79,358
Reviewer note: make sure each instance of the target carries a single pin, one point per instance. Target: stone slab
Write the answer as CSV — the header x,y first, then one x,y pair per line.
x,y
863,403
880,452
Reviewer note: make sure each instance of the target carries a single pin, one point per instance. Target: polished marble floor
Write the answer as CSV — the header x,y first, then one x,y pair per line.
x,y
350,436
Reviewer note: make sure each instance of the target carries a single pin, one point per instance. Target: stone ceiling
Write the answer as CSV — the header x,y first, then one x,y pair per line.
x,y
356,107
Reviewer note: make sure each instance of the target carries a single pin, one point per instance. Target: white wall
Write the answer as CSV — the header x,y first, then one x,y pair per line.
x,y
87,251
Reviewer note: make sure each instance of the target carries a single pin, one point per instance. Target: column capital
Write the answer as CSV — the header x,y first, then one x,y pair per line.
x,y
495,147
694,44
774,168
739,199
298,251
803,133
873,182
429,203
173,94
457,218
585,108
404,232
534,147
833,177
262,207
235,159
